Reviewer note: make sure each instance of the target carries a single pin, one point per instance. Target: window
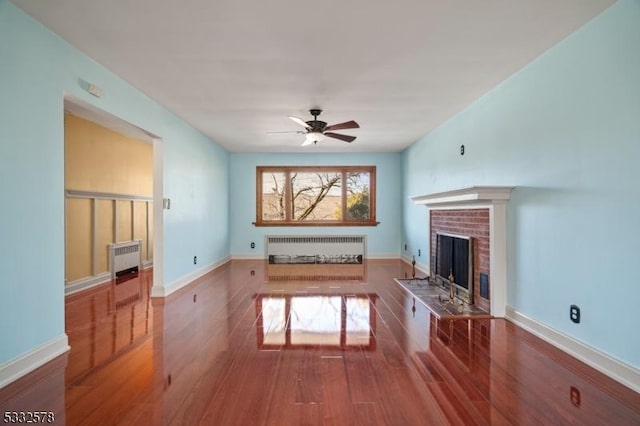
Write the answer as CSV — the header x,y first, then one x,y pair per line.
x,y
315,196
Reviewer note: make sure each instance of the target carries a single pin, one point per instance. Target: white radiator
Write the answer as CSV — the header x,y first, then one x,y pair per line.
x,y
125,257
315,249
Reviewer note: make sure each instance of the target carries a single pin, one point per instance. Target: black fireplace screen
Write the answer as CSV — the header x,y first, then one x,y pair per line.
x,y
452,257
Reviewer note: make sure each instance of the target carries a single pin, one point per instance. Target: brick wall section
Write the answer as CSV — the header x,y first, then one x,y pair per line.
x,y
468,223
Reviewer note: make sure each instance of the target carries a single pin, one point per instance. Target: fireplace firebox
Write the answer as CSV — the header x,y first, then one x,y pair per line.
x,y
454,264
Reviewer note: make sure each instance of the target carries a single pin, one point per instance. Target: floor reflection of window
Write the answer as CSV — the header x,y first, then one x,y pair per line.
x,y
315,320
358,321
273,320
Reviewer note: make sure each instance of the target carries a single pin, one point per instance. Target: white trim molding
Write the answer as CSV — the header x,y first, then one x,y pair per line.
x,y
248,257
382,256
85,283
495,199
158,218
13,369
474,194
166,290
377,256
606,364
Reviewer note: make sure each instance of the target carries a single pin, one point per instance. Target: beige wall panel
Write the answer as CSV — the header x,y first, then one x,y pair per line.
x,y
104,233
100,160
140,225
124,221
78,255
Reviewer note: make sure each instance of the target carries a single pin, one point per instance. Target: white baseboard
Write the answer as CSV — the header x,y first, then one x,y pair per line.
x,y
617,370
378,256
185,280
382,256
85,283
247,257
13,369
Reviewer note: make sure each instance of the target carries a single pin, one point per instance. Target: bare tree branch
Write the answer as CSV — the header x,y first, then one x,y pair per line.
x,y
324,190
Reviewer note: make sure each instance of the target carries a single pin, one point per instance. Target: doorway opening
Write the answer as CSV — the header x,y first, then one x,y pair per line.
x,y
113,196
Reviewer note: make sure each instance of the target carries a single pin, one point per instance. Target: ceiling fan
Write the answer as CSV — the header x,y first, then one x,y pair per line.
x,y
316,130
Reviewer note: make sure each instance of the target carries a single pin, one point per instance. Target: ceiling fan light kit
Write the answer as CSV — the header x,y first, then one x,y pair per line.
x,y
316,130
312,138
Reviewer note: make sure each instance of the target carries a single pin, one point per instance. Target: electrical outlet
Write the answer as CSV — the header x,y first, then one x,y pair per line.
x,y
195,260
574,314
419,253
405,247
253,245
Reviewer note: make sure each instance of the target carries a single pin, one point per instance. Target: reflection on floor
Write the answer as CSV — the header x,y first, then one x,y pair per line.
x,y
235,349
107,321
316,272
286,321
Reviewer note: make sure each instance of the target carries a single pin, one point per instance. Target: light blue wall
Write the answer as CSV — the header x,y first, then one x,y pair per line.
x,y
37,69
382,240
196,179
565,131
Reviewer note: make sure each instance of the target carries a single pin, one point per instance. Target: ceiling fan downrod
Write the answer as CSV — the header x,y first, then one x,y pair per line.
x,y
315,113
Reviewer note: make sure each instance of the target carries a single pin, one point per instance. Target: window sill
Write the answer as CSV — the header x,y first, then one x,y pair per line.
x,y
313,224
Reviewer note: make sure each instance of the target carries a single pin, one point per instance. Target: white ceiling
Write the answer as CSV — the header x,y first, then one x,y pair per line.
x,y
235,69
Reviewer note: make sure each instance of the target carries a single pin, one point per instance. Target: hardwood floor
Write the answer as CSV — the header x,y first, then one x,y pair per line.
x,y
232,349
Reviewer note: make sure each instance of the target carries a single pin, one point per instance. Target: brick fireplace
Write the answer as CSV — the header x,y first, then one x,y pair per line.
x,y
473,223
478,212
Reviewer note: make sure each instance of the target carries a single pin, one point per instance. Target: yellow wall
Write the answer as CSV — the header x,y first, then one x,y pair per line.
x,y
101,160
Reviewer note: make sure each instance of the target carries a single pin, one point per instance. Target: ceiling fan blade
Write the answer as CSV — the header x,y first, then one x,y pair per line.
x,y
300,122
340,126
341,137
285,132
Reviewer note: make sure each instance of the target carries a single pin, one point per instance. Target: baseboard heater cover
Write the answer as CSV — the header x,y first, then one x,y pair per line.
x,y
125,258
349,259
316,277
315,249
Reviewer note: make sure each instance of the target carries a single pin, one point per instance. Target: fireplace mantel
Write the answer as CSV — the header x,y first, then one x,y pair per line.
x,y
494,198
472,195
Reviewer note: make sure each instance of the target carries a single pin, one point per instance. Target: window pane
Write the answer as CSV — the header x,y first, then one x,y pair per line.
x,y
316,196
358,202
273,201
